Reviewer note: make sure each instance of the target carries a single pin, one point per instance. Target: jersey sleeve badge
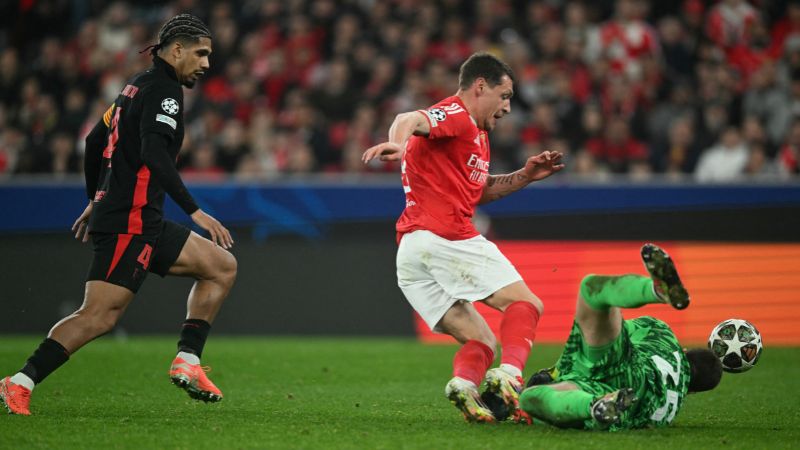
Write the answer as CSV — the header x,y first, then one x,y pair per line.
x,y
170,106
435,115
167,120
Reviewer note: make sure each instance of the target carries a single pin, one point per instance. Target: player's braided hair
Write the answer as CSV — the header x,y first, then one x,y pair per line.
x,y
180,26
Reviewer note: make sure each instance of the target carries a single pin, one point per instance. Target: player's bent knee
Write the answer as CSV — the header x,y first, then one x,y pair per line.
x,y
515,292
227,266
535,301
525,295
585,288
219,266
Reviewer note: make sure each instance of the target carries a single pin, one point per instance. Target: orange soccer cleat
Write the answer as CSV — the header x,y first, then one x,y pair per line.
x,y
16,398
192,378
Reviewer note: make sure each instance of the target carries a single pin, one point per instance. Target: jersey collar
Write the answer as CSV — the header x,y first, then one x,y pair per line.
x,y
458,100
165,67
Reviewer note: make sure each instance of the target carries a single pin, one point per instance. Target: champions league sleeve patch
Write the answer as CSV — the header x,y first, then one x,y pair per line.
x,y
167,120
435,116
170,106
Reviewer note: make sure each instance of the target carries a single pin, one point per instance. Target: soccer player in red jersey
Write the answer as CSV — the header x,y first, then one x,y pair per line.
x,y
130,165
443,263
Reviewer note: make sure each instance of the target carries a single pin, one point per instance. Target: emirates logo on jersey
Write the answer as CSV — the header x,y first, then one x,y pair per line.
x,y
480,169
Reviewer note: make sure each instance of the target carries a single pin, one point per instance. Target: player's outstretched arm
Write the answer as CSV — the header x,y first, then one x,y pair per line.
x,y
536,168
404,126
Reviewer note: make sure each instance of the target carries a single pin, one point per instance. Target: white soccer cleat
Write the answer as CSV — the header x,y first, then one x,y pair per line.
x,y
464,395
508,387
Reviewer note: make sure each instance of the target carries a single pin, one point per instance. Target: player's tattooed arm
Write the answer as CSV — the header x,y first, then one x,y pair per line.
x,y
536,168
498,186
506,179
404,126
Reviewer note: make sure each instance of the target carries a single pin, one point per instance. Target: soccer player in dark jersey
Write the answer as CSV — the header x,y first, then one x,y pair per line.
x,y
129,166
619,374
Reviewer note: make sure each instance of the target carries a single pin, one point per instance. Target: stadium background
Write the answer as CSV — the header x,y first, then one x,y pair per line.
x,y
679,121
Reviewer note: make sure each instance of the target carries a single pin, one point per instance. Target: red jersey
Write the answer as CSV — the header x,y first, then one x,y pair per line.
x,y
444,174
625,44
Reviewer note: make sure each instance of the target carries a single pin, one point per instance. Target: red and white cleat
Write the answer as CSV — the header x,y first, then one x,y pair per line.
x,y
16,398
192,378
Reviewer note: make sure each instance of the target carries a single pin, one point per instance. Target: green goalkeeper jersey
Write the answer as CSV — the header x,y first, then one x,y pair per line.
x,y
645,357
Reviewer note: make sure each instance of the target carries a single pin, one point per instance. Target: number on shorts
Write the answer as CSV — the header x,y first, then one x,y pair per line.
x,y
144,257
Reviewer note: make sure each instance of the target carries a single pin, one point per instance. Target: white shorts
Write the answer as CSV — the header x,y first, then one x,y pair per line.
x,y
434,273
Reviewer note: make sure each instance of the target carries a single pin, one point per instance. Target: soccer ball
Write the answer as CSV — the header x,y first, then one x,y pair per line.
x,y
737,344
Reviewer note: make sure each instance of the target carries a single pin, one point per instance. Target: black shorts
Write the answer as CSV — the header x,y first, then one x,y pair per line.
x,y
125,259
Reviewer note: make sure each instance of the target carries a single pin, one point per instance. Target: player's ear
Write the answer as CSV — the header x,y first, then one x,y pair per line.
x,y
177,50
480,85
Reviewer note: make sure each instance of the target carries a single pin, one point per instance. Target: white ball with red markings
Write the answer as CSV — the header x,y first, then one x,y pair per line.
x,y
737,344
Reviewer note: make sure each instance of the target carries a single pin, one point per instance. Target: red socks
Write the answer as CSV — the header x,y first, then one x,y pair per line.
x,y
472,361
517,331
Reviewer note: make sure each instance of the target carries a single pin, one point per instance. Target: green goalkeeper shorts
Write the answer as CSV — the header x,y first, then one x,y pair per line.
x,y
597,370
622,363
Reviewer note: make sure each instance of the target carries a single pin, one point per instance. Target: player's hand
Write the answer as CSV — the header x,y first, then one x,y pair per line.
x,y
219,234
81,225
543,165
388,151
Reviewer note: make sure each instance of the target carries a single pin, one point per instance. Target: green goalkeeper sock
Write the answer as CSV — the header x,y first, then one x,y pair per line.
x,y
625,291
560,408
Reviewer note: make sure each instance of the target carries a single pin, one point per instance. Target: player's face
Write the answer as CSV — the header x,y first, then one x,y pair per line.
x,y
194,62
495,103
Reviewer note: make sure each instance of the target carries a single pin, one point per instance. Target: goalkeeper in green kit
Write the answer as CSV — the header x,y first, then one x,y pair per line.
x,y
619,374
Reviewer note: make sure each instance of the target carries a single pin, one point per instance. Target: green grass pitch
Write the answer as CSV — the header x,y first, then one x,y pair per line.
x,y
329,393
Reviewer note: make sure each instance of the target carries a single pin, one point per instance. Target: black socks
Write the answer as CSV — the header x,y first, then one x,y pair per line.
x,y
45,360
193,336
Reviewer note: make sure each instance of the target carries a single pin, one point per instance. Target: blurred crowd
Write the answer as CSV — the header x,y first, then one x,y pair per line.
x,y
691,88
